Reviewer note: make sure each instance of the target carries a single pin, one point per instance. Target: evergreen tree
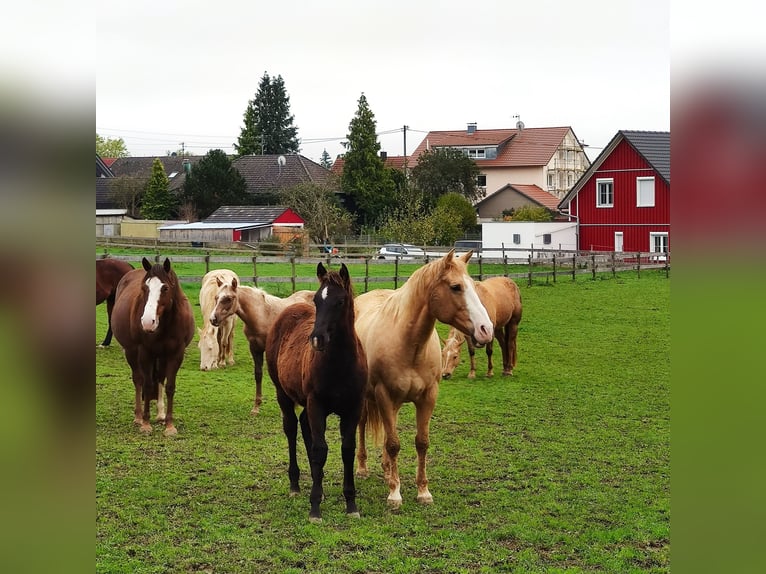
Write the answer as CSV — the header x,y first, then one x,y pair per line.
x,y
158,202
366,181
214,182
325,160
268,123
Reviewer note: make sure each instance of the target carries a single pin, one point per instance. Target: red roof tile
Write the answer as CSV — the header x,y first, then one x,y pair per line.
x,y
392,161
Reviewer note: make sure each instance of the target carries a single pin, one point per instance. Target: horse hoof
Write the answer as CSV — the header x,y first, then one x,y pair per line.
x,y
470,376
294,493
394,503
146,428
315,519
354,515
362,473
425,499
171,431
159,419
255,411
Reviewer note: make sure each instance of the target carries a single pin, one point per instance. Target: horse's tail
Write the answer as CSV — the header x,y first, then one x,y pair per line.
x,y
374,421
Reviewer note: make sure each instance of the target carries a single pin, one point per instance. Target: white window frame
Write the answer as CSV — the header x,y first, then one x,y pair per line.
x,y
604,180
551,180
621,241
653,235
638,191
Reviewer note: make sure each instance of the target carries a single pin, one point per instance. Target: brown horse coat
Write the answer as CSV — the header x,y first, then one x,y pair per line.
x,y
501,297
108,275
154,322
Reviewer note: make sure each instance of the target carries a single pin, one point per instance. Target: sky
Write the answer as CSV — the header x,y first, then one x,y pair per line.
x,y
171,72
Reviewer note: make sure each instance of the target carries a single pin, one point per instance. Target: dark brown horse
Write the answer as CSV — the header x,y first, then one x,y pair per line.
x,y
316,361
154,322
108,275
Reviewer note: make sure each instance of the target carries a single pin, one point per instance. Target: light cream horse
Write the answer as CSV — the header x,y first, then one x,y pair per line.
x,y
397,330
502,300
216,343
258,311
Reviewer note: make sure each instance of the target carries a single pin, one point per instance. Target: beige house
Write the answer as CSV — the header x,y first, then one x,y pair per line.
x,y
552,159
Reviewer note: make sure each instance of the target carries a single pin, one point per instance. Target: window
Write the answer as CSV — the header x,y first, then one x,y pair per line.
x,y
605,192
644,192
618,241
481,180
551,180
658,242
475,153
546,238
516,238
570,180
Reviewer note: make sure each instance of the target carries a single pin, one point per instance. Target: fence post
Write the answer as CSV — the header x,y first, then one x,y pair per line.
x,y
667,264
554,267
505,260
255,271
593,265
207,263
366,272
481,272
614,265
396,272
574,266
529,280
638,265
292,275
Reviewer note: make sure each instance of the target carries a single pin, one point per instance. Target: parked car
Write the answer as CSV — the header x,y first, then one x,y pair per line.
x,y
463,245
400,250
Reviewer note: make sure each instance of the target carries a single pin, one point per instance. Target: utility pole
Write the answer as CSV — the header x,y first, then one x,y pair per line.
x,y
404,131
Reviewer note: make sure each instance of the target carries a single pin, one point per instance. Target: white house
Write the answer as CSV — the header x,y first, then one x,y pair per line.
x,y
520,239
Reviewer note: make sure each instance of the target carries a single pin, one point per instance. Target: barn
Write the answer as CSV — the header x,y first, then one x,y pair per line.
x,y
622,202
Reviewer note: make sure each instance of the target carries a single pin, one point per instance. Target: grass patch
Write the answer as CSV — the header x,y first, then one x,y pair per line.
x,y
563,467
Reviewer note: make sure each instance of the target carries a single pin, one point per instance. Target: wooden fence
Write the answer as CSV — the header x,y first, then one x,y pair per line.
x,y
541,264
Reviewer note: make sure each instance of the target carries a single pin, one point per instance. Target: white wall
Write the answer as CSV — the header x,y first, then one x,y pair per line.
x,y
496,235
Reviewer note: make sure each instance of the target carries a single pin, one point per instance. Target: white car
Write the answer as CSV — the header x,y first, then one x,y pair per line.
x,y
400,250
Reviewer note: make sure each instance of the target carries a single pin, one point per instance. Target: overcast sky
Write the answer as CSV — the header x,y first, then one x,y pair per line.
x,y
171,72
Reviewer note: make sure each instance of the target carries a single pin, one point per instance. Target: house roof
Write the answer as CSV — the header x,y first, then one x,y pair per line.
x,y
392,161
251,214
532,192
141,167
516,148
104,194
219,225
654,147
102,167
263,173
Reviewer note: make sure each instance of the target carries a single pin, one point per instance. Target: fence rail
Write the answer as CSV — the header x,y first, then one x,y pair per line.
x,y
547,264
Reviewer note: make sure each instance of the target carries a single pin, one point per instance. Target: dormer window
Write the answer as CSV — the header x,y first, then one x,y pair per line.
x,y
172,175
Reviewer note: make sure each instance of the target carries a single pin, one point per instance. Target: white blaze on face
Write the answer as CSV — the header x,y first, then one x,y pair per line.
x,y
483,332
149,320
324,294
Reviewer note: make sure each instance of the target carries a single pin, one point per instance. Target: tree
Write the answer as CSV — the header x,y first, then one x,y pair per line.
x,y
444,170
158,202
127,192
111,147
460,206
214,182
365,180
531,213
268,123
319,207
325,161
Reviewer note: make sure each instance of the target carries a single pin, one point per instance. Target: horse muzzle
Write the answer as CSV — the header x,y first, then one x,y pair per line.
x,y
317,343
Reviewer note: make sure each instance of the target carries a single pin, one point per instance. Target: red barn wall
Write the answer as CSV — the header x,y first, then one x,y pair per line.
x,y
598,224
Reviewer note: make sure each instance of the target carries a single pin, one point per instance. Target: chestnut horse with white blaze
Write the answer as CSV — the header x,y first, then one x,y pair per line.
x,y
397,330
154,322
258,311
216,343
501,298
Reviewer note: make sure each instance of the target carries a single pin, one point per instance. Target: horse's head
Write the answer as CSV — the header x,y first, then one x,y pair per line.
x,y
454,301
451,352
158,288
226,301
334,301
208,349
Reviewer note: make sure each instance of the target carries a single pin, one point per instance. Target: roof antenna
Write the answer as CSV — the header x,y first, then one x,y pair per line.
x,y
281,161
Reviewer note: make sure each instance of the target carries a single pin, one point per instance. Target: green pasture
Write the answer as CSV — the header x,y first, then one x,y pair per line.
x,y
562,468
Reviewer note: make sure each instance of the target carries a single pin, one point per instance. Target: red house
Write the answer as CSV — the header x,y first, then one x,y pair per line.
x,y
622,201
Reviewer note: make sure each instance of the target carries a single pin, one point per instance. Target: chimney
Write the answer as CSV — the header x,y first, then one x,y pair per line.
x,y
471,128
384,155
187,166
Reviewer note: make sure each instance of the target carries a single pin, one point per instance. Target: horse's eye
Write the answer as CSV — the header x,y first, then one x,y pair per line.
x,y
456,288
164,288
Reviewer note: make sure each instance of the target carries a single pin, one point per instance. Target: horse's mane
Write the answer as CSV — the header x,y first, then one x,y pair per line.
x,y
158,270
334,278
418,284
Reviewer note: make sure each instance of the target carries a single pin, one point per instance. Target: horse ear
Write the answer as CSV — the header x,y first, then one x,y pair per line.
x,y
448,257
466,256
147,265
344,273
218,280
321,271
234,283
166,265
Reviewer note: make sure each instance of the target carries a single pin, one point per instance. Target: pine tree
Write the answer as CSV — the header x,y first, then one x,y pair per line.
x,y
325,160
214,182
268,124
365,180
158,202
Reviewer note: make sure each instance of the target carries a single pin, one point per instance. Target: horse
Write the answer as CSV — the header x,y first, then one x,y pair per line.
x,y
501,298
216,343
108,275
258,311
154,322
397,330
316,360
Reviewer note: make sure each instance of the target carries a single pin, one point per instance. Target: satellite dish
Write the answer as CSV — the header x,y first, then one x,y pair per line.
x,y
519,125
281,161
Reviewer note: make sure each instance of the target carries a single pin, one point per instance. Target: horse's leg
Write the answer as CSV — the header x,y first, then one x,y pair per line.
x,y
230,343
258,375
290,428
423,411
172,366
348,426
317,423
490,366
149,384
138,383
109,306
160,373
388,414
512,331
472,355
361,452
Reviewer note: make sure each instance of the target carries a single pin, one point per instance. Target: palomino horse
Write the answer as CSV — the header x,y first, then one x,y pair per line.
x,y
397,330
216,343
501,297
258,310
154,322
108,275
316,361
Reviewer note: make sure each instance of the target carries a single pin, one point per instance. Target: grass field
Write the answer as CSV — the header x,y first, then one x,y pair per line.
x,y
562,468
